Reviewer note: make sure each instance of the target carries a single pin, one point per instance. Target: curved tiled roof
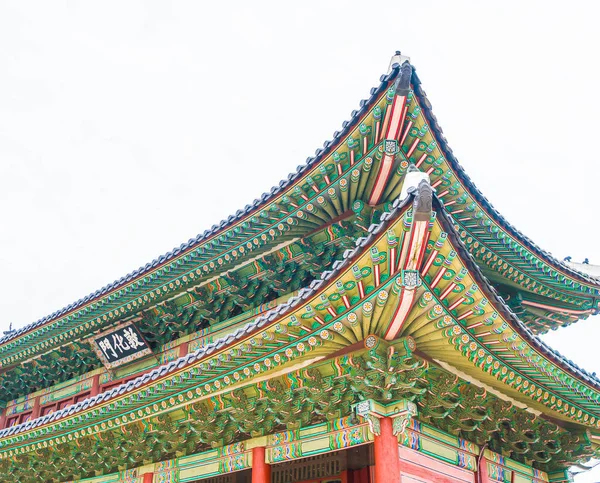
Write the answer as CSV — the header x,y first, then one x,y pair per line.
x,y
291,178
305,294
192,243
243,331
555,356
478,195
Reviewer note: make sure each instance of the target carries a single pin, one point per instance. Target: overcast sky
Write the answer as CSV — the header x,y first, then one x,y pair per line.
x,y
128,127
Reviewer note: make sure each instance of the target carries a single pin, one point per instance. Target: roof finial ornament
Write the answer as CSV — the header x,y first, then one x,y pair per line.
x,y
9,331
397,59
412,179
423,198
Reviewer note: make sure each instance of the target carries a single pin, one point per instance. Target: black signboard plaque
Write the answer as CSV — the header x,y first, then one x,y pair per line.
x,y
120,345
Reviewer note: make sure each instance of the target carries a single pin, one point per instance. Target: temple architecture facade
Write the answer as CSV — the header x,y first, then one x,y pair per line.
x,y
370,319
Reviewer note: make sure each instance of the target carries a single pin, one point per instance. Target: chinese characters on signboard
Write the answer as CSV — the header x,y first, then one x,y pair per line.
x,y
120,346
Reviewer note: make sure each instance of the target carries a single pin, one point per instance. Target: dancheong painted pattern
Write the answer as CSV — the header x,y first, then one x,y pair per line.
x,y
373,298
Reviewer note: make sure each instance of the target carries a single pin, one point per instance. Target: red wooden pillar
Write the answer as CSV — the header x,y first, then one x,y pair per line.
x,y
482,471
387,459
261,471
183,349
95,385
36,408
148,477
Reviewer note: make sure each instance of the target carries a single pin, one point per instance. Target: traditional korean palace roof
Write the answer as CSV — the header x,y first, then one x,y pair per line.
x,y
376,272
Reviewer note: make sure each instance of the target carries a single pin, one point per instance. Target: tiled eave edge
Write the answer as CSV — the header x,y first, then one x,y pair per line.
x,y
171,260
192,297
19,434
504,310
485,203
172,370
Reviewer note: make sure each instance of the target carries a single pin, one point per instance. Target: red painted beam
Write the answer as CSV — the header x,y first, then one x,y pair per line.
x,y
395,114
183,349
425,468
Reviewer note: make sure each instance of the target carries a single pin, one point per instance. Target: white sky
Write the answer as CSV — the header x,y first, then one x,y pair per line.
x,y
128,127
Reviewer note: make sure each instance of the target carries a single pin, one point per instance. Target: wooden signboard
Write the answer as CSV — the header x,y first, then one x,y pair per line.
x,y
120,345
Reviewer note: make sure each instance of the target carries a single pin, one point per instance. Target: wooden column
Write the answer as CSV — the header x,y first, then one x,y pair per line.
x,y
482,471
261,471
387,460
95,385
183,349
148,477
36,408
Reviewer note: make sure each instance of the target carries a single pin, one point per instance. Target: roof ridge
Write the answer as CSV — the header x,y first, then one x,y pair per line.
x,y
320,153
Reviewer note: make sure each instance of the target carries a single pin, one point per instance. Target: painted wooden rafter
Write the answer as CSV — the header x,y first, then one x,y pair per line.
x,y
456,321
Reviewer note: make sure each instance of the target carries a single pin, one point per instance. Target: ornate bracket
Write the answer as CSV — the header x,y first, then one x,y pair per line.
x,y
401,413
402,419
364,409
